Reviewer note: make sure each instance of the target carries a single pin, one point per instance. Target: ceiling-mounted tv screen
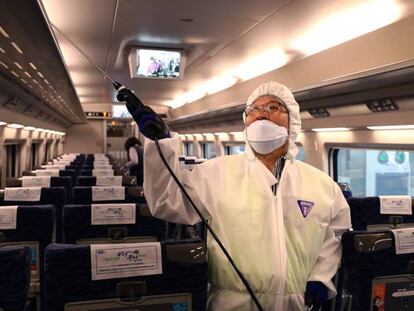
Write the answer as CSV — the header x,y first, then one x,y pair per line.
x,y
156,63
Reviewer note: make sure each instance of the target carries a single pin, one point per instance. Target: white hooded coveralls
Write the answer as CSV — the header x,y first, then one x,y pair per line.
x,y
275,246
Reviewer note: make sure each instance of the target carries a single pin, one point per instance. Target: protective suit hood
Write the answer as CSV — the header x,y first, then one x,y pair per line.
x,y
286,96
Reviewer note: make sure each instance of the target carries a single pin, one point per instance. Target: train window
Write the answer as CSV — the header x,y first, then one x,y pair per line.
x,y
301,154
208,150
375,172
234,149
188,148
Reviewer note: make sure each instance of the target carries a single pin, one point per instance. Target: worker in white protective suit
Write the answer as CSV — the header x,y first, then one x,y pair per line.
x,y
280,219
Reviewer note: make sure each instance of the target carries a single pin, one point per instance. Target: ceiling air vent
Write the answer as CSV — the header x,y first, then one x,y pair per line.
x,y
380,105
28,110
319,112
40,115
11,102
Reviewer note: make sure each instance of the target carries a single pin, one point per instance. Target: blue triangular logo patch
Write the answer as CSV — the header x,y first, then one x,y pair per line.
x,y
305,207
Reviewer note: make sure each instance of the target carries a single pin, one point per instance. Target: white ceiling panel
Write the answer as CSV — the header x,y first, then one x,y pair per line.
x,y
221,38
148,23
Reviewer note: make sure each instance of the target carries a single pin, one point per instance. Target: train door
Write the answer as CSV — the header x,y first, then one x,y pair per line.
x,y
47,151
11,161
34,155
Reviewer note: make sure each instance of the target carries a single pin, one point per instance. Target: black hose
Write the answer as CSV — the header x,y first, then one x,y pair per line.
x,y
243,279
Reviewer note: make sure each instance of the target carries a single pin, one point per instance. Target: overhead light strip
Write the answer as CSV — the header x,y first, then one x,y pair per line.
x,y
391,127
15,125
4,33
18,65
30,128
18,49
331,129
4,65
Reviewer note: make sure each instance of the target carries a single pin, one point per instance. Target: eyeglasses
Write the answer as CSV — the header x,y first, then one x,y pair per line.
x,y
271,108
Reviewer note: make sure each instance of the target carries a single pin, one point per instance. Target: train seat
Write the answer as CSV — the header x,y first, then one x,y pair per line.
x,y
93,172
88,195
90,181
183,278
99,166
33,229
73,166
368,257
14,278
55,196
47,182
134,194
366,215
71,173
138,225
57,173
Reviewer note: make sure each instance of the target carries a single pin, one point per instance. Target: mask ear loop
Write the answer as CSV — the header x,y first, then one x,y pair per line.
x,y
288,130
244,117
245,128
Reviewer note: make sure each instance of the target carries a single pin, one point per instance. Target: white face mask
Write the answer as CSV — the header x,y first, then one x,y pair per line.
x,y
265,136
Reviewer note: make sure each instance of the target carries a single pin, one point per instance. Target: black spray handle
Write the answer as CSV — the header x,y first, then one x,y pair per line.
x,y
125,94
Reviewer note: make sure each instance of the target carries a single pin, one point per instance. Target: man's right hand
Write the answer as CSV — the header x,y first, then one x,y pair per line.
x,y
150,123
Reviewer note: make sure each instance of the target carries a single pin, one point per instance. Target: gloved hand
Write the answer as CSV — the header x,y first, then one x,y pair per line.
x,y
150,123
316,294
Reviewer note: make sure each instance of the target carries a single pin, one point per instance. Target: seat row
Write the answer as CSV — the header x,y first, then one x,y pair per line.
x,y
33,226
80,165
42,215
57,196
67,182
377,268
168,275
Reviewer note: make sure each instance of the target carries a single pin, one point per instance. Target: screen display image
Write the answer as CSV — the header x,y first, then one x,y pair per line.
x,y
156,63
394,292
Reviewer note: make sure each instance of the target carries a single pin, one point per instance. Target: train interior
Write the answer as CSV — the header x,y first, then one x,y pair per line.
x,y
349,64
